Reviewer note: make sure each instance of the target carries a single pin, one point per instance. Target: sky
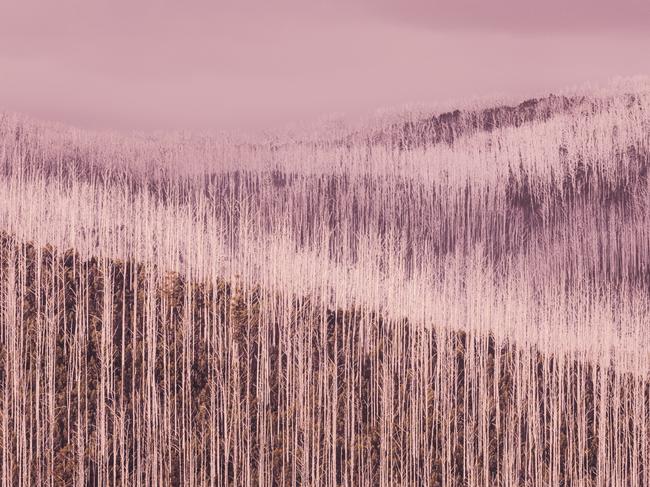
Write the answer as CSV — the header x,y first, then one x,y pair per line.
x,y
163,65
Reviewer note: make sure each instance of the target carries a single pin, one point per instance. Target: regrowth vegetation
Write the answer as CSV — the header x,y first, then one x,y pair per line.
x,y
458,299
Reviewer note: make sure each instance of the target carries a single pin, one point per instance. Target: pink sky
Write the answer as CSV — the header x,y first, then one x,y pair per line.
x,y
154,65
